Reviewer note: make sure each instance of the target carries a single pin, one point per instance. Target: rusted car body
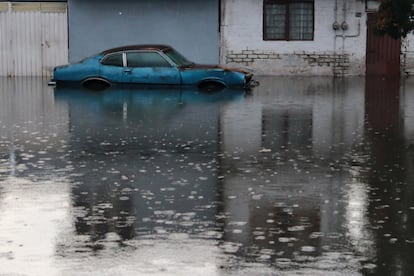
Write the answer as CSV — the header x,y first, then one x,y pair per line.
x,y
149,65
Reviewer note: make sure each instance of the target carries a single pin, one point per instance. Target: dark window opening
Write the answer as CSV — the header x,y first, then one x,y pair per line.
x,y
176,57
113,59
288,19
146,59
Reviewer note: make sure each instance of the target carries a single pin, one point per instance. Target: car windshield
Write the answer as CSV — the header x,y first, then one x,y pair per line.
x,y
176,57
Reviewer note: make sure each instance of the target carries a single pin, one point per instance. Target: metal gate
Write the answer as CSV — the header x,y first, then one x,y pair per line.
x,y
383,52
33,38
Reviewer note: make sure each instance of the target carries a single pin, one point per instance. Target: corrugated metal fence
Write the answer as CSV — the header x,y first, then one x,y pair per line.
x,y
383,52
33,38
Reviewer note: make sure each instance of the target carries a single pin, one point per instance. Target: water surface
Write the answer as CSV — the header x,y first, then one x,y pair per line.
x,y
309,176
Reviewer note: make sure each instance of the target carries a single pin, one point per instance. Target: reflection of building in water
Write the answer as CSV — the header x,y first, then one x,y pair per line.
x,y
29,123
382,103
407,109
390,173
284,181
34,193
406,220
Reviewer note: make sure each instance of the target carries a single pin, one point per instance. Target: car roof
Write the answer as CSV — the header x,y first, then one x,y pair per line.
x,y
136,47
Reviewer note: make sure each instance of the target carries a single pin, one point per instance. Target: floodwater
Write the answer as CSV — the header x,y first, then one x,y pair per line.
x,y
301,176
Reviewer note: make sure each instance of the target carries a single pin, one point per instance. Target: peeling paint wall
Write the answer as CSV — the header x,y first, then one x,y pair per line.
x,y
339,53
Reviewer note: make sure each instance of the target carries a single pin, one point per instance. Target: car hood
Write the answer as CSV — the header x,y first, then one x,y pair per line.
x,y
196,66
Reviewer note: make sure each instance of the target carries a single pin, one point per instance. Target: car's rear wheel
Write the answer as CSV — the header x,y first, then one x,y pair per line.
x,y
96,84
211,86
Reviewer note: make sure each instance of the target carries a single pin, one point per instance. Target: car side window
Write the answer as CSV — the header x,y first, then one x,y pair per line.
x,y
146,59
113,59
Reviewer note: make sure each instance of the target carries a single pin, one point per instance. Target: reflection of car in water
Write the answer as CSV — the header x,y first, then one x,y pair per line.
x,y
142,95
145,104
149,65
144,161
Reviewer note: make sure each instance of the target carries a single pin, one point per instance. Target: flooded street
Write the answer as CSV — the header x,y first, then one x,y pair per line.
x,y
302,176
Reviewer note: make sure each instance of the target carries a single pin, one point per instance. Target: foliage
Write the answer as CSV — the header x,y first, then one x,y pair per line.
x,y
395,18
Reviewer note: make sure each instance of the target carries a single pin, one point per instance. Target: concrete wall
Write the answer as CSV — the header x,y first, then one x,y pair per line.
x,y
330,53
191,26
407,55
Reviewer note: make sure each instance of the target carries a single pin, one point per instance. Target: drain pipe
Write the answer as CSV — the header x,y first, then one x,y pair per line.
x,y
343,27
335,27
344,24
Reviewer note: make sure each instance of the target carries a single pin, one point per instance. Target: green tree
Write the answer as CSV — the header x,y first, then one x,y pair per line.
x,y
395,18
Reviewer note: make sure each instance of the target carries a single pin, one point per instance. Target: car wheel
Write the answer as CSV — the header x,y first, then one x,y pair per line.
x,y
96,84
211,86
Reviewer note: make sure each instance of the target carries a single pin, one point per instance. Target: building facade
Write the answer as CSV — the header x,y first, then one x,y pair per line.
x,y
308,37
273,37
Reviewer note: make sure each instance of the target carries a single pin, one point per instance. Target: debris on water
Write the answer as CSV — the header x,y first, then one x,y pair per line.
x,y
296,228
257,197
237,223
230,247
308,249
315,235
286,239
393,240
370,266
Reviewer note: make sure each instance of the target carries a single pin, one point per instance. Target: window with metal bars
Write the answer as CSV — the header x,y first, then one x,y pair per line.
x,y
288,19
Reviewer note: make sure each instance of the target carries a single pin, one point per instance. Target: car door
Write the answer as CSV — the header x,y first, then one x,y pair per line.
x,y
150,67
112,68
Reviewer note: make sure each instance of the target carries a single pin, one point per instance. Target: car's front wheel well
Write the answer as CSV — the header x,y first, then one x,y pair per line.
x,y
211,85
96,84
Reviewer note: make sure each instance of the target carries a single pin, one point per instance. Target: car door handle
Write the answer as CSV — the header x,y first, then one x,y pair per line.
x,y
128,70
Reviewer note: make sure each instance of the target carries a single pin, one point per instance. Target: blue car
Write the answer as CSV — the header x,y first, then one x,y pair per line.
x,y
149,65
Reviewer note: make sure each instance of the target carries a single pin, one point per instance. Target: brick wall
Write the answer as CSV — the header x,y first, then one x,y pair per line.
x,y
332,63
407,55
331,52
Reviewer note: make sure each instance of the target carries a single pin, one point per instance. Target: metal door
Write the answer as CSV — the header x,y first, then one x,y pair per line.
x,y
33,38
383,52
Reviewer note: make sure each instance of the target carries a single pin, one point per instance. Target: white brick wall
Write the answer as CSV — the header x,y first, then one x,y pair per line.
x,y
407,55
330,53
